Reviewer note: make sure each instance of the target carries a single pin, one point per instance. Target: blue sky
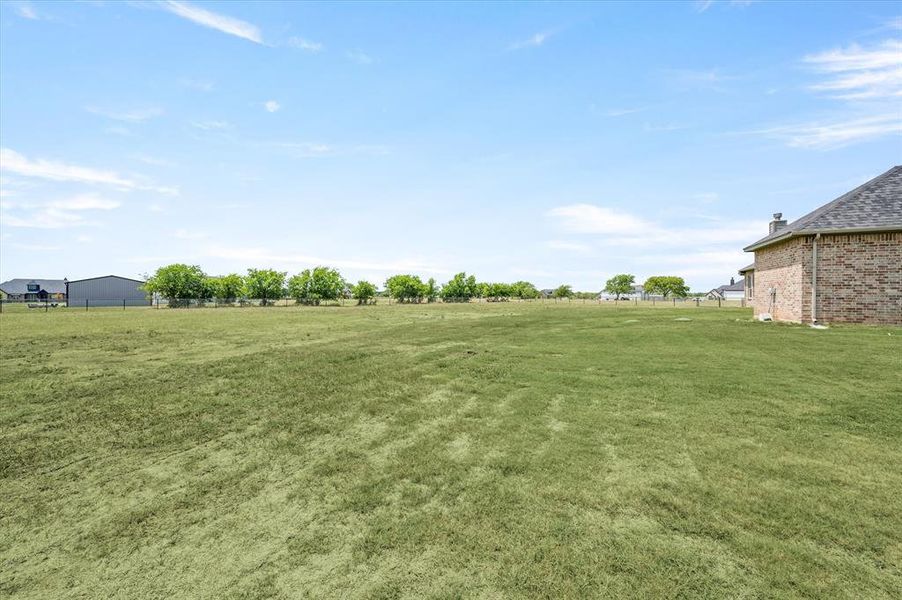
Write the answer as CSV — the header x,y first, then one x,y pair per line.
x,y
558,143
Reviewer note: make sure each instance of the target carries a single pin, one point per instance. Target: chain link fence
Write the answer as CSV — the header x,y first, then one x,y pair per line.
x,y
284,302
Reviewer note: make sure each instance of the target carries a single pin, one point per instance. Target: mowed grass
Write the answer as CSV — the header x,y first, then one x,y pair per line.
x,y
478,451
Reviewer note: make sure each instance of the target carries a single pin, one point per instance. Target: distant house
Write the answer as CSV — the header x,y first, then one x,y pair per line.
x,y
109,290
839,263
636,293
735,290
34,290
546,293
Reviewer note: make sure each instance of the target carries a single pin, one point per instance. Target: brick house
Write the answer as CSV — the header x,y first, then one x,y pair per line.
x,y
839,263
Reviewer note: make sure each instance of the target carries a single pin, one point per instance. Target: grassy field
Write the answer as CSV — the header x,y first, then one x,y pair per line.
x,y
485,451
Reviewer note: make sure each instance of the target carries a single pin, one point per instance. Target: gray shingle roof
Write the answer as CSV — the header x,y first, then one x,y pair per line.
x,y
750,267
739,286
20,286
876,204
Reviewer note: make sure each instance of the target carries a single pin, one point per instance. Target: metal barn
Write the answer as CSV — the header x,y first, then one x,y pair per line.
x,y
109,290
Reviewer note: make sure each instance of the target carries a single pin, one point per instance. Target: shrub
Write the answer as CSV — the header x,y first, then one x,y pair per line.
x,y
364,292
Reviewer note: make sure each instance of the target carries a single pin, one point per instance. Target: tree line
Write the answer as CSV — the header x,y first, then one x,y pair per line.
x,y
181,283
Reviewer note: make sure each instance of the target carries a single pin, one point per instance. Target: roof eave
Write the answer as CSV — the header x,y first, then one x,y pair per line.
x,y
831,230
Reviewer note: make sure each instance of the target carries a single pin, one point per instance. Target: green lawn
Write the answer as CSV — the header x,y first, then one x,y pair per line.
x,y
487,451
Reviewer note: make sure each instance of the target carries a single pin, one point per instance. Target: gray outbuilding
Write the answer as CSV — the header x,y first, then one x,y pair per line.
x,y
109,290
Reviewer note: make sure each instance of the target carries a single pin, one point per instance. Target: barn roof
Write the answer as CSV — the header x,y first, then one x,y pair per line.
x,y
873,206
107,277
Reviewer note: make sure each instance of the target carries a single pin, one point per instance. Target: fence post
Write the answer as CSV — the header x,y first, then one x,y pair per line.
x,y
123,304
86,305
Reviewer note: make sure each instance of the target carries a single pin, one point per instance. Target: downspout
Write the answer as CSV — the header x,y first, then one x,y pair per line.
x,y
814,278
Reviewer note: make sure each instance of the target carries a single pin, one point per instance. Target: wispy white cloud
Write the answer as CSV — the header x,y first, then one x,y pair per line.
x,y
47,218
533,41
589,218
703,5
153,160
697,79
219,22
14,162
708,265
616,227
857,73
305,45
211,125
708,249
186,234
306,149
36,247
359,57
85,202
867,81
119,130
26,11
201,85
56,214
271,106
620,112
568,246
322,150
664,127
136,115
827,135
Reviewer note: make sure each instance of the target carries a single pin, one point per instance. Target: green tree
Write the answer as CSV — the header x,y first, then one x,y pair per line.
x,y
432,290
460,289
228,288
620,285
364,291
497,292
314,285
405,288
524,289
562,291
178,283
666,286
266,284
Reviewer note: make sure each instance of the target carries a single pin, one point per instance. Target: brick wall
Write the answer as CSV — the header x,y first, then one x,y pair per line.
x,y
859,279
782,267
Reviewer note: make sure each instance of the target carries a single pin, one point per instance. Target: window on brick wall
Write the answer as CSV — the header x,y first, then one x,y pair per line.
x,y
750,285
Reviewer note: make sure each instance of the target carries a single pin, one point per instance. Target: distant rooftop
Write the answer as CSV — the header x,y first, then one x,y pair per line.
x,y
875,205
20,286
